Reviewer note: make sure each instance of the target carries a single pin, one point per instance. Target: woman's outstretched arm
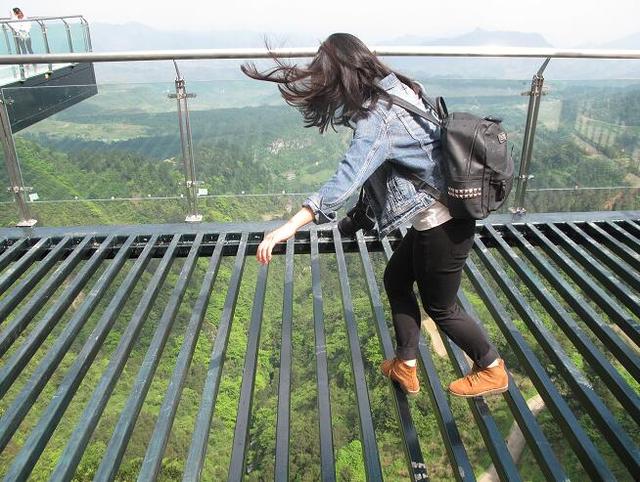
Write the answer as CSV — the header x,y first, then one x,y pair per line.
x,y
284,232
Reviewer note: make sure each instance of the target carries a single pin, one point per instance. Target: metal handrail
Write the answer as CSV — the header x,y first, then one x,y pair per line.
x,y
257,53
28,19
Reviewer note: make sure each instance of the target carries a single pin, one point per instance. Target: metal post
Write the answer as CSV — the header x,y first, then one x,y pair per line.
x,y
186,142
47,49
69,39
13,167
527,143
87,35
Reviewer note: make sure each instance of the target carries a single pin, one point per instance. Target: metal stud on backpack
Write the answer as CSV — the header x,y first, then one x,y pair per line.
x,y
478,167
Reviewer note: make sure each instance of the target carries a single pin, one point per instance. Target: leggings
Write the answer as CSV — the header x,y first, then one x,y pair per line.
x,y
434,259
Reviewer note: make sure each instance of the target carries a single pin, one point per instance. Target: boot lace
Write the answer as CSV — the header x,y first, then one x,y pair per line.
x,y
473,377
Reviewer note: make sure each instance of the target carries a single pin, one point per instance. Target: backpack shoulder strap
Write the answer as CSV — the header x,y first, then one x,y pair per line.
x,y
416,110
437,104
430,117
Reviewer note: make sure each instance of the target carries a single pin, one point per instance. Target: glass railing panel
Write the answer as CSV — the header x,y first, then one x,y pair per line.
x,y
248,141
36,34
586,154
25,37
57,37
8,73
118,143
6,46
253,157
254,160
78,31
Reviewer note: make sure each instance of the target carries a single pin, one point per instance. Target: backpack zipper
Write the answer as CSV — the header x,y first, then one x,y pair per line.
x,y
473,146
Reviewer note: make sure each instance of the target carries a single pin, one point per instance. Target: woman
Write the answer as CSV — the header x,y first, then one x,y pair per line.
x,y
22,32
392,152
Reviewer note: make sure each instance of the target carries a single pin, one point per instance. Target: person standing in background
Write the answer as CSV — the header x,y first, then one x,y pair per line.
x,y
22,33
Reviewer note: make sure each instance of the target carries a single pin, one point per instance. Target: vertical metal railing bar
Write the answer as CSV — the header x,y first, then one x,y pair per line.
x,y
373,469
186,143
38,300
624,236
243,419
10,371
87,35
39,436
595,270
158,442
456,450
14,251
9,276
621,250
596,359
281,473
45,38
587,453
198,448
126,423
537,442
14,169
623,352
327,460
415,460
535,94
26,398
493,438
69,38
619,267
80,436
580,386
8,304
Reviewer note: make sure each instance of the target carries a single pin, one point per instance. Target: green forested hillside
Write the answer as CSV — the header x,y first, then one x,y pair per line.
x,y
91,154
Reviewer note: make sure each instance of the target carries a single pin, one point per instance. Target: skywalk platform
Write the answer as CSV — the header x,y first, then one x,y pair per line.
x,y
560,290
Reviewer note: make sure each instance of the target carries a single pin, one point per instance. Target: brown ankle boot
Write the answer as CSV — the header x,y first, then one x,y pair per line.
x,y
402,373
480,382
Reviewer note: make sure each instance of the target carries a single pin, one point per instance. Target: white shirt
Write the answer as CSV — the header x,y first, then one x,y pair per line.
x,y
431,217
22,28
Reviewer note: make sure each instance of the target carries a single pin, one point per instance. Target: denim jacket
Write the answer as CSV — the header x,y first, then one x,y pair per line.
x,y
391,151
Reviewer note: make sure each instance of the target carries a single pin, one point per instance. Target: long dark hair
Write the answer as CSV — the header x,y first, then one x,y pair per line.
x,y
336,83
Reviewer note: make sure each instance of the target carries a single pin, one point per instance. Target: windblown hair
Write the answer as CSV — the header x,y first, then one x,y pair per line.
x,y
335,85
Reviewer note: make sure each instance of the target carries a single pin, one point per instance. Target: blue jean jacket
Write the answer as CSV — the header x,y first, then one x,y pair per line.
x,y
391,149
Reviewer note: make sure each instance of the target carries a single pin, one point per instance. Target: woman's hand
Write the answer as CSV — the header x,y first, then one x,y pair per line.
x,y
284,232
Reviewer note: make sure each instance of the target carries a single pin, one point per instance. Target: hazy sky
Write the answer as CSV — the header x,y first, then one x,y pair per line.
x,y
564,23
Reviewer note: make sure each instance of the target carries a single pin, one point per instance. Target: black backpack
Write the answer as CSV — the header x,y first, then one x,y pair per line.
x,y
477,165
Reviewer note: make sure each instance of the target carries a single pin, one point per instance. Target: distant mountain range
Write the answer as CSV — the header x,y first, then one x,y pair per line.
x,y
136,36
476,37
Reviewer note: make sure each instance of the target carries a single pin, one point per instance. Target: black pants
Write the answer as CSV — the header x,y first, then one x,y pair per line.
x,y
434,260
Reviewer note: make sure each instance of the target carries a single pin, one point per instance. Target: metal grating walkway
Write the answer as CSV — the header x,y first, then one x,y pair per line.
x,y
579,271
